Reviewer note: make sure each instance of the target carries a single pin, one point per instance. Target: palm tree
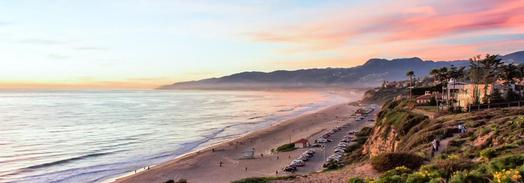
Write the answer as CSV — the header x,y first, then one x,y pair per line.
x,y
410,74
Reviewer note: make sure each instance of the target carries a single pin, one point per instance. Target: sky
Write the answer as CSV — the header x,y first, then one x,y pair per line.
x,y
122,44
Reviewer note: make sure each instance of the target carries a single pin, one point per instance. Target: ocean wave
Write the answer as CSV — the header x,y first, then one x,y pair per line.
x,y
255,117
64,161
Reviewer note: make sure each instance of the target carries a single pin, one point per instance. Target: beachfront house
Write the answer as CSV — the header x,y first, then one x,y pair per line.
x,y
473,94
425,99
461,94
302,143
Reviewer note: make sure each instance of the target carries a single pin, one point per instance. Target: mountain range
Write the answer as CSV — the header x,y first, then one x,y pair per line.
x,y
370,74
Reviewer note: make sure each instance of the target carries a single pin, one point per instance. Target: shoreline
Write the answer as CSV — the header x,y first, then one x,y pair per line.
x,y
181,165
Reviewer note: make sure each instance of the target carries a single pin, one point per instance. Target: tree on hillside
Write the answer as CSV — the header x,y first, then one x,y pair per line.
x,y
443,76
509,74
410,74
485,71
521,70
456,73
434,74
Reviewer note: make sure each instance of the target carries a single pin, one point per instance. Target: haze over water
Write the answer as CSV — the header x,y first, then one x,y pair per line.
x,y
91,136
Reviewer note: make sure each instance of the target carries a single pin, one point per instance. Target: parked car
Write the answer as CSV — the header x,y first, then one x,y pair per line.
x,y
303,157
298,163
322,140
339,150
311,152
290,168
315,145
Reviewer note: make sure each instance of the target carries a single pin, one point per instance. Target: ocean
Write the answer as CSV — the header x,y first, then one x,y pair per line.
x,y
92,136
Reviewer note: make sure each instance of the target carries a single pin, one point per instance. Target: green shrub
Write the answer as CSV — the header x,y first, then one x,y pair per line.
x,y
456,142
356,180
468,177
286,147
484,131
518,122
447,166
506,162
361,140
396,175
388,161
353,147
366,131
418,177
488,153
437,180
178,181
262,179
412,121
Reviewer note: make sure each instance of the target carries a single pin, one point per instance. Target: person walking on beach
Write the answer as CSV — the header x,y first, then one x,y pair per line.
x,y
220,164
246,168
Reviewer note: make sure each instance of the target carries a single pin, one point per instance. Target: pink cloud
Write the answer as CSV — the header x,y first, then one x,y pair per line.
x,y
400,22
504,15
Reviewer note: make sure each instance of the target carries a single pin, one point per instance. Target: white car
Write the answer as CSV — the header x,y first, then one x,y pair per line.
x,y
311,152
339,151
322,140
334,157
347,140
298,162
342,144
303,158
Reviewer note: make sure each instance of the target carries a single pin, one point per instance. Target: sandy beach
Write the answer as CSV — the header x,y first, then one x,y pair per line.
x,y
203,166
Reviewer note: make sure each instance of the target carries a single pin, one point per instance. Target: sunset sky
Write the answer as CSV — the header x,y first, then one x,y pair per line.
x,y
146,43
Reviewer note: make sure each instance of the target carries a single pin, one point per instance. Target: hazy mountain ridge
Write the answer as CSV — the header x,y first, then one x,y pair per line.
x,y
371,73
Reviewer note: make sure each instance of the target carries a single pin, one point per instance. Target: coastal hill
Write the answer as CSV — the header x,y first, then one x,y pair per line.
x,y
372,73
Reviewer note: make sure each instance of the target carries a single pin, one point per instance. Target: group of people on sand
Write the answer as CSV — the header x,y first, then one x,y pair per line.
x,y
145,168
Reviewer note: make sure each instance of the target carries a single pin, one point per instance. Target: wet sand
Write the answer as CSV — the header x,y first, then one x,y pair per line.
x,y
204,166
